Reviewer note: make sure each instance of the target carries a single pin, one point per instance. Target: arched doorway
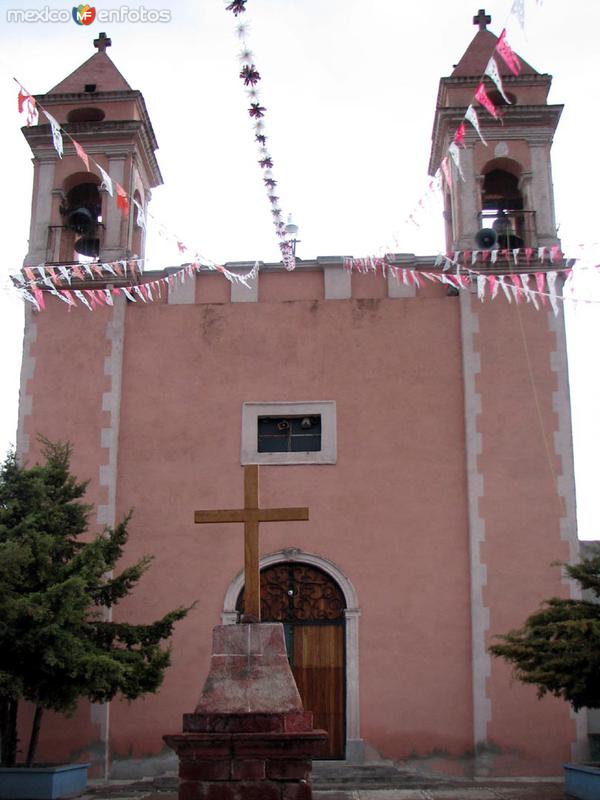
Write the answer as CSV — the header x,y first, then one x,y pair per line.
x,y
311,606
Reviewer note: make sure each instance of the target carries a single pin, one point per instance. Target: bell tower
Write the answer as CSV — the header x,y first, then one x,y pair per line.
x,y
506,184
73,213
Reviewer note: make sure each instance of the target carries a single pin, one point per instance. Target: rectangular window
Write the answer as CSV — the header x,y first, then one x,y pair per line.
x,y
289,434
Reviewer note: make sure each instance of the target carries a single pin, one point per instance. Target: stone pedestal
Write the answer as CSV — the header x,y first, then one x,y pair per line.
x,y
249,737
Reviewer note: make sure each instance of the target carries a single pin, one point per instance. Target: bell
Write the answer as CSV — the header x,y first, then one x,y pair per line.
x,y
486,238
88,246
81,220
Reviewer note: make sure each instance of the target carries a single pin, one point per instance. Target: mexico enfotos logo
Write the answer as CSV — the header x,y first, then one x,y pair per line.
x,y
86,14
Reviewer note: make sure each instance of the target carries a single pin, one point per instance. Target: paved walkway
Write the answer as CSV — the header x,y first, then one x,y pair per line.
x,y
530,789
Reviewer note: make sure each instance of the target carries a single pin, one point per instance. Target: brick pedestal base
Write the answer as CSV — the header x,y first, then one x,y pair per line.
x,y
249,738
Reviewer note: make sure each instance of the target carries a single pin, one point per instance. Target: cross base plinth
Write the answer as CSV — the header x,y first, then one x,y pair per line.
x,y
249,736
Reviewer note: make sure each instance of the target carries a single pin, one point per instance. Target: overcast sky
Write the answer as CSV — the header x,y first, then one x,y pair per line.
x,y
350,89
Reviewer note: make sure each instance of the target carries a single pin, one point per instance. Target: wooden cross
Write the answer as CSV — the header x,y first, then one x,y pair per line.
x,y
252,515
102,42
482,19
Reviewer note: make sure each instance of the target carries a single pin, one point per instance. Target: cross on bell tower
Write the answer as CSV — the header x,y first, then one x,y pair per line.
x,y
102,42
481,18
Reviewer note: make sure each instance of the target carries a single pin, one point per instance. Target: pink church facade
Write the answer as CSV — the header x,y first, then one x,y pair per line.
x,y
440,492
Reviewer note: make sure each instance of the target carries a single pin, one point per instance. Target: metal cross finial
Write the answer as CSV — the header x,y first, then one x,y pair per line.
x,y
482,19
102,42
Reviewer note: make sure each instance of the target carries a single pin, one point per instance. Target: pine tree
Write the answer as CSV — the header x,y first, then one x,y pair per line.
x,y
558,647
56,642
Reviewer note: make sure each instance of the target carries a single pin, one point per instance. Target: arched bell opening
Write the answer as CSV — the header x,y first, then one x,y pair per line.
x,y
81,213
311,606
505,222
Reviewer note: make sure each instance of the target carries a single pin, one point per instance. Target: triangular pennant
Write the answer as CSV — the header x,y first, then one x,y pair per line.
x,y
79,295
122,200
481,287
455,153
108,294
504,288
56,134
471,116
26,295
492,72
505,51
481,97
28,106
446,170
459,136
140,219
518,9
493,286
106,181
551,278
82,154
68,297
540,283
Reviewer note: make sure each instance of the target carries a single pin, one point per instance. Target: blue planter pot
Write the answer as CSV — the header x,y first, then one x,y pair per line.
x,y
582,781
42,783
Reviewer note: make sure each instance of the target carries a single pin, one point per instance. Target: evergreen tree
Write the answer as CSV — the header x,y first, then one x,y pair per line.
x,y
558,647
57,643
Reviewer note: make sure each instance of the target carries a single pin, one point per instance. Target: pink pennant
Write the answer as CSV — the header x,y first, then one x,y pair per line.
x,y
39,296
182,247
82,154
77,273
493,285
122,200
555,252
446,170
92,297
69,297
528,253
518,288
541,286
459,136
508,56
485,101
29,273
27,104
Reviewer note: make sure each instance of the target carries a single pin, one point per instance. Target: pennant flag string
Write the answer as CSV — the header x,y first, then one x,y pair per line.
x,y
250,77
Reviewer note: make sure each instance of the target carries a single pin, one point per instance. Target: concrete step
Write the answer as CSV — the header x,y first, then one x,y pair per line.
x,y
341,775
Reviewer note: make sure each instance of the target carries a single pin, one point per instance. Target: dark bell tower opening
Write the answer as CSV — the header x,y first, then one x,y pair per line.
x,y
81,213
504,221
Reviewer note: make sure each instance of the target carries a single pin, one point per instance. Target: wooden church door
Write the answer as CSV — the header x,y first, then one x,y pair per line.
x,y
311,607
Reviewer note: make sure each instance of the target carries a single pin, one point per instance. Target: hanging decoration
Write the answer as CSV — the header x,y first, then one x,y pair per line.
x,y
56,134
250,77
515,286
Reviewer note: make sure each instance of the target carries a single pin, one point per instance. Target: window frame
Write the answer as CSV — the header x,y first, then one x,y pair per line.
x,y
251,411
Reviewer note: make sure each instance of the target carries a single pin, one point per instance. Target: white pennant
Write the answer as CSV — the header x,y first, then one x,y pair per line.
x,y
79,296
551,279
494,256
492,72
531,298
106,181
471,116
455,153
504,288
29,297
109,299
66,274
518,9
481,280
474,255
56,134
